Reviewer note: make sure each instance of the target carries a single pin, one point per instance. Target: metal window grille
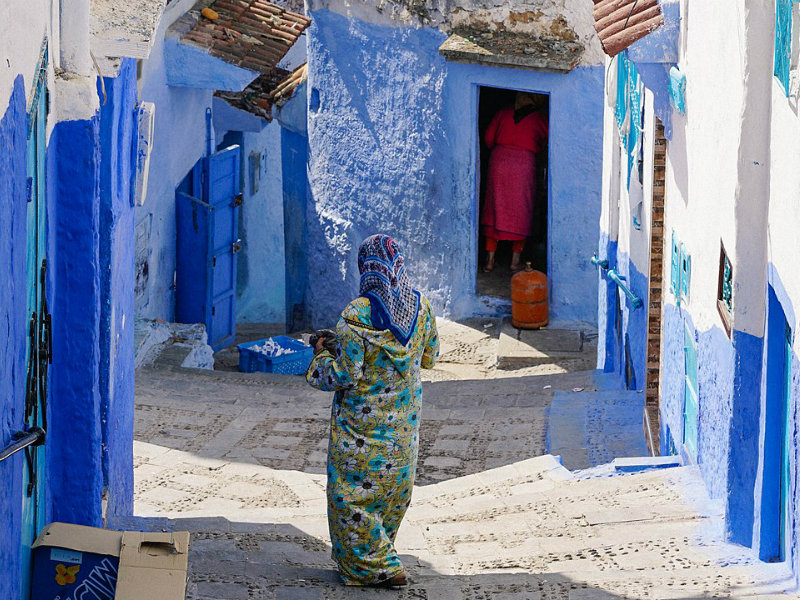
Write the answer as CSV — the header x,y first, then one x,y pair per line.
x,y
783,42
727,284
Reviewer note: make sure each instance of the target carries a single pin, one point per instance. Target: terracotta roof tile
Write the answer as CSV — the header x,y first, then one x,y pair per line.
x,y
268,90
252,34
619,23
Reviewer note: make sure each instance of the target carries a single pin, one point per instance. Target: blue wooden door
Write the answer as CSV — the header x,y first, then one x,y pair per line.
x,y
222,195
691,403
775,491
38,319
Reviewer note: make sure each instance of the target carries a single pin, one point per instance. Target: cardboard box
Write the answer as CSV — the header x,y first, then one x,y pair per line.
x,y
73,562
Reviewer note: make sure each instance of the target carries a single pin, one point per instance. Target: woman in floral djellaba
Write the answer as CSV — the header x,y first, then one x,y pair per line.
x,y
383,338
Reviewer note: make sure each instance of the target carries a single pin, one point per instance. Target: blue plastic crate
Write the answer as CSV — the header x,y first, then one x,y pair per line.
x,y
295,363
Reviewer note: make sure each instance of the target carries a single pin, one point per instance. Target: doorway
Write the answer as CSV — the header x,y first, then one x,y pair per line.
x,y
491,101
775,482
39,323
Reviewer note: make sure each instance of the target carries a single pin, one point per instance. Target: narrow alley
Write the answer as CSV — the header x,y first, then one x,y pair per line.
x,y
435,300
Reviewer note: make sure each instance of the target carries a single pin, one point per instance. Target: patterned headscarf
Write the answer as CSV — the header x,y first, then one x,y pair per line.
x,y
394,303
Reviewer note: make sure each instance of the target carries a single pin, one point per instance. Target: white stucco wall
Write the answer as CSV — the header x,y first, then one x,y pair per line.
x,y
19,46
701,176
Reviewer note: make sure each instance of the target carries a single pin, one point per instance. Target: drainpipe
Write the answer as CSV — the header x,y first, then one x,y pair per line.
x,y
750,262
74,37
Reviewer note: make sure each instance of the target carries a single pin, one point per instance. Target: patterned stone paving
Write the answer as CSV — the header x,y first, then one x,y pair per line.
x,y
526,530
238,460
281,423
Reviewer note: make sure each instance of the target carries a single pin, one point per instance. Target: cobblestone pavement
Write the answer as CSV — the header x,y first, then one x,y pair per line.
x,y
526,531
280,422
237,459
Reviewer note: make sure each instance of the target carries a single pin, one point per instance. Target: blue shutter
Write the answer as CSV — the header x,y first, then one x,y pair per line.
x,y
674,285
685,274
783,42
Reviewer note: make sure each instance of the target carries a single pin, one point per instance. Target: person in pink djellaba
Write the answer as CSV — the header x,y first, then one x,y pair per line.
x,y
515,135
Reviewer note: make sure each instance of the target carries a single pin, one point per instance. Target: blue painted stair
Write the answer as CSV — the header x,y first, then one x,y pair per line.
x,y
590,428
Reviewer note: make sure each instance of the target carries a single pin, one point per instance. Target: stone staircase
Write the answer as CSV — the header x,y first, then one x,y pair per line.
x,y
529,530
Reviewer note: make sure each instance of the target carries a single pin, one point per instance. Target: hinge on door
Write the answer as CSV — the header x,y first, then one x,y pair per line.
x,y
236,246
213,310
238,199
213,261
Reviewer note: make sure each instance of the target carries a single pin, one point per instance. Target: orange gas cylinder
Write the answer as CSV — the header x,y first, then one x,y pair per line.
x,y
529,307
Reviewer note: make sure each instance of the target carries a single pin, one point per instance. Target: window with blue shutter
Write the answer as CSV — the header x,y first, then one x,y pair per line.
x,y
681,271
783,42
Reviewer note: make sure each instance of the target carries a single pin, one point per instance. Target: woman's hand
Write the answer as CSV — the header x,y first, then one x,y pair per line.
x,y
320,345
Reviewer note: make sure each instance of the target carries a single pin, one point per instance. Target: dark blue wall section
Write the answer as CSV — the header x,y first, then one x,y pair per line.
x,y
294,158
74,447
13,174
744,433
117,276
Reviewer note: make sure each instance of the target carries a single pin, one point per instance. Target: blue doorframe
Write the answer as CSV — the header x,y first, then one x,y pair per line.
x,y
294,158
775,479
37,319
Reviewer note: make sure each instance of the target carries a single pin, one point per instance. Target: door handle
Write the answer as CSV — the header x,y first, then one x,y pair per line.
x,y
238,199
236,246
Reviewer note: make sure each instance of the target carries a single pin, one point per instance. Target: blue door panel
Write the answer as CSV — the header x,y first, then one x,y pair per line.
x,y
775,485
193,231
207,246
691,403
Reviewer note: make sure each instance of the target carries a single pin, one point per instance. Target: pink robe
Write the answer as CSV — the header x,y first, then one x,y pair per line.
x,y
511,181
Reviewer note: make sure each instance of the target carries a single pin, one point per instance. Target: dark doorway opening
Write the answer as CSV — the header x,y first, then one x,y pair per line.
x,y
491,101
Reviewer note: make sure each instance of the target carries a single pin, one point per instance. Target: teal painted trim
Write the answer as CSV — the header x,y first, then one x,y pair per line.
x,y
783,42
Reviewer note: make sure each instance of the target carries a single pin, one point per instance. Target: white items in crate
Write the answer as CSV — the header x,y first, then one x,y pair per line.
x,y
271,348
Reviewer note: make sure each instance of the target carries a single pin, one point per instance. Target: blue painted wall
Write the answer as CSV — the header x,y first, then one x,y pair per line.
x,y
117,275
13,173
394,148
74,447
715,381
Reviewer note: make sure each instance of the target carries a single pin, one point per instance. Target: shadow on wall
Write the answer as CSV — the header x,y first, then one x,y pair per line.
x,y
250,559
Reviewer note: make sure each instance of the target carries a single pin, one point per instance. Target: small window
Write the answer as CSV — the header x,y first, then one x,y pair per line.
x,y
725,289
783,42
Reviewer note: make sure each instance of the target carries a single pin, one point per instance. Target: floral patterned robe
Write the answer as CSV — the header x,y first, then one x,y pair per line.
x,y
372,451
